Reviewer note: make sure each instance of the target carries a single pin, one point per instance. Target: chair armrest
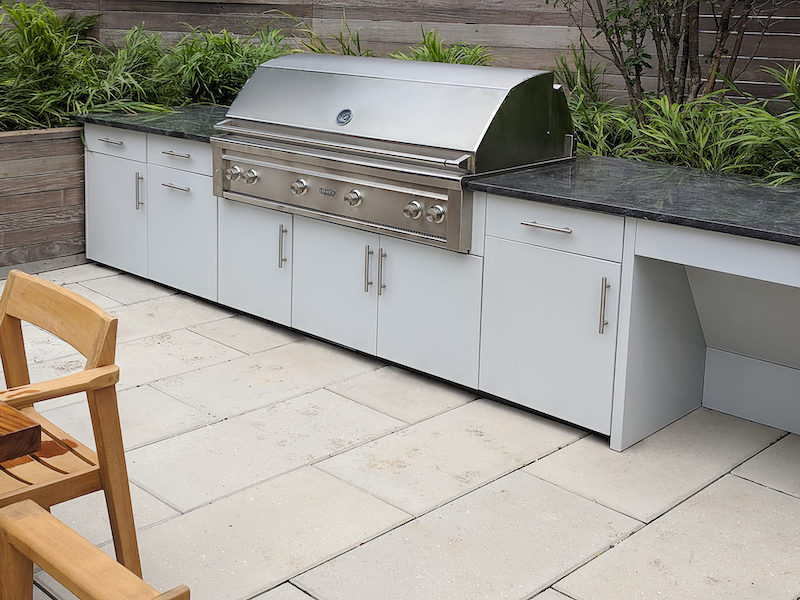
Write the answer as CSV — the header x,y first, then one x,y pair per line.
x,y
90,379
75,563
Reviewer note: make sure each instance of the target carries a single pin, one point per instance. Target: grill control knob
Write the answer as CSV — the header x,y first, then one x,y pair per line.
x,y
413,210
250,177
353,198
299,187
233,173
435,214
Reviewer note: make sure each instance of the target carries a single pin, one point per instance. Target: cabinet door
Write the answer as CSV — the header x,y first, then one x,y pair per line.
x,y
182,231
116,212
332,269
540,340
429,311
255,260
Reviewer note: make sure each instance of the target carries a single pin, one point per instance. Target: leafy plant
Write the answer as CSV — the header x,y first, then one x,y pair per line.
x,y
209,67
433,49
347,40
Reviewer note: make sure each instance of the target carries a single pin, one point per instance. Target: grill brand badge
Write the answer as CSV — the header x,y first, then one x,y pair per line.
x,y
344,117
327,192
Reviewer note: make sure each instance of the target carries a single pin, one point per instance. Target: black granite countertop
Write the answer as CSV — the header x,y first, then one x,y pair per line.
x,y
189,122
710,200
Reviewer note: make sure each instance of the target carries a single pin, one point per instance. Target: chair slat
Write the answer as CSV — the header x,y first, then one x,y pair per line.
x,y
8,484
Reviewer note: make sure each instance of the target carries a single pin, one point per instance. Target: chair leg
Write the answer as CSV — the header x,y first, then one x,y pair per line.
x,y
114,475
16,572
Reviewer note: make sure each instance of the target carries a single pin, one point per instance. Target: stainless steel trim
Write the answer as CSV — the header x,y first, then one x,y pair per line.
x,y
461,163
282,231
381,285
367,282
346,178
138,192
176,187
342,220
566,230
177,154
110,141
604,288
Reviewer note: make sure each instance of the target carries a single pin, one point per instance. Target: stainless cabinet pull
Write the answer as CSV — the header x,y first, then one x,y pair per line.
x,y
138,190
110,141
604,288
176,187
178,154
547,227
367,282
282,231
381,285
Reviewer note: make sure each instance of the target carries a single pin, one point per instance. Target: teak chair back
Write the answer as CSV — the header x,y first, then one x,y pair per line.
x,y
29,534
64,468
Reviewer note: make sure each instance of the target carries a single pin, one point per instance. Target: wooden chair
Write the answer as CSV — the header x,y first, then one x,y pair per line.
x,y
64,468
29,534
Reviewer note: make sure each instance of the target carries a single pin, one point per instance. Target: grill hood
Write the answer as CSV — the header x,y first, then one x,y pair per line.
x,y
478,119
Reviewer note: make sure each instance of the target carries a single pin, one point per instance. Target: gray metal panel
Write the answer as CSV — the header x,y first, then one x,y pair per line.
x,y
425,104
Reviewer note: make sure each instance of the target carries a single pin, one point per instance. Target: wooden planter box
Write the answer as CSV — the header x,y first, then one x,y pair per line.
x,y
41,198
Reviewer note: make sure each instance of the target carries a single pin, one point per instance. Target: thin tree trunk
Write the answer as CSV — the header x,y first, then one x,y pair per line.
x,y
693,48
723,31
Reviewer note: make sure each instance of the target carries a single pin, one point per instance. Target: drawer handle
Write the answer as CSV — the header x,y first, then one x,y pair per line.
x,y
139,179
547,227
367,282
178,154
282,231
603,290
381,285
110,141
176,187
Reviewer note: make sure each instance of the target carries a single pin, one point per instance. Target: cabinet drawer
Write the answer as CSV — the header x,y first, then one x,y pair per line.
x,y
178,153
557,227
116,142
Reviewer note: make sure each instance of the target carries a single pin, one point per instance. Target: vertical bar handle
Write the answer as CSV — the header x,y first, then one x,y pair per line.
x,y
603,290
282,231
381,285
367,282
139,178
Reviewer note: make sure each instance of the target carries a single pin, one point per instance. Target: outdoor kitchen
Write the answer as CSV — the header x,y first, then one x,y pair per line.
x,y
385,331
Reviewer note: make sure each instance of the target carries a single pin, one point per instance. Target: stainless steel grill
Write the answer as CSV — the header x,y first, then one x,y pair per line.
x,y
384,145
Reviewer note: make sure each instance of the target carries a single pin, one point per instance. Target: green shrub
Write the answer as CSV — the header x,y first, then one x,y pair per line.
x,y
209,67
433,49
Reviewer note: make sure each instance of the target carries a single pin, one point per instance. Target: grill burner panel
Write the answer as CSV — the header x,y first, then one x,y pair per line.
x,y
384,145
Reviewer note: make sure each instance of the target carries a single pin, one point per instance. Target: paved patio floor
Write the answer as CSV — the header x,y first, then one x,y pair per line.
x,y
268,465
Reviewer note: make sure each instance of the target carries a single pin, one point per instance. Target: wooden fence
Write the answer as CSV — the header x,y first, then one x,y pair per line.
x,y
522,33
41,196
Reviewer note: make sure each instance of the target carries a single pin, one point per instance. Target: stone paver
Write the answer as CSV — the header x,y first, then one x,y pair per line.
x,y
89,517
246,334
406,396
315,459
127,289
212,462
433,462
509,539
735,540
777,467
255,381
146,416
248,543
661,470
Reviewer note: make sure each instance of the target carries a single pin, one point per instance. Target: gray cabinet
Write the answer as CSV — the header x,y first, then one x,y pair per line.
x,y
426,316
150,208
542,342
255,260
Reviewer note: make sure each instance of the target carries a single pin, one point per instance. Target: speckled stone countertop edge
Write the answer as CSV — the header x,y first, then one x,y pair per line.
x,y
527,190
191,122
